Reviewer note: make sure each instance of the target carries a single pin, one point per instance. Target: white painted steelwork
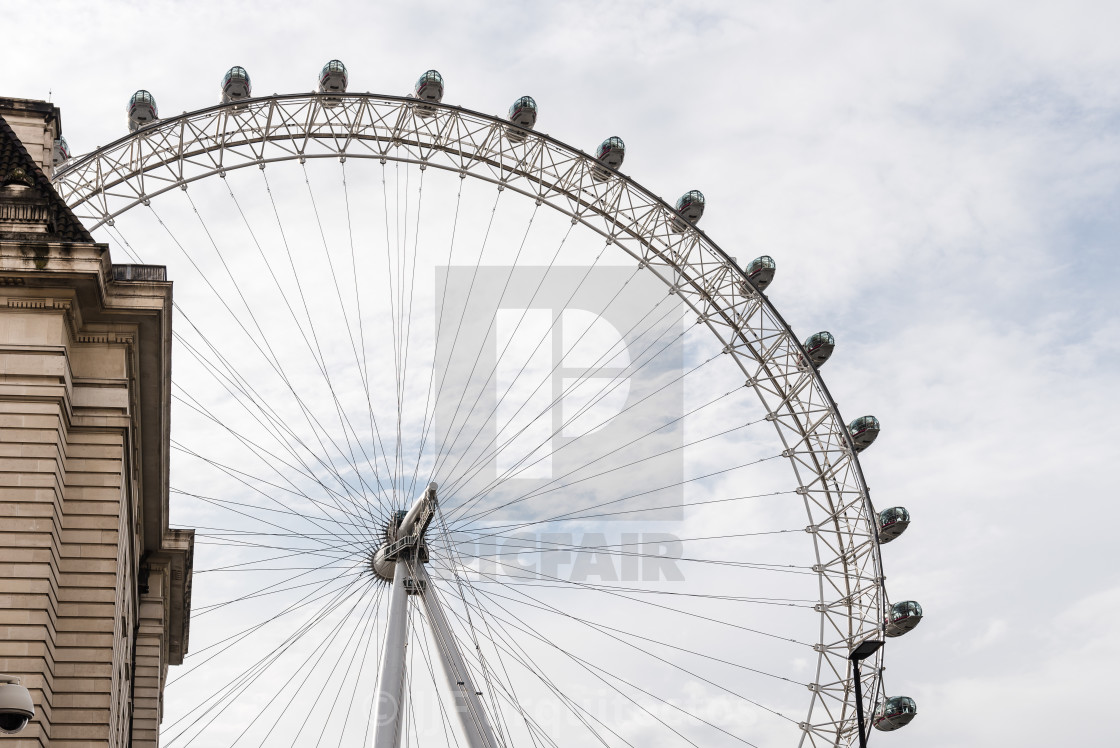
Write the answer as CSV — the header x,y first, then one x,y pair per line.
x,y
467,699
842,522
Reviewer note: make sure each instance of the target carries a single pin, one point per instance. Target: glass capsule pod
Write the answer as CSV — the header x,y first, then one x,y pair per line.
x,y
610,153
236,85
523,115
691,207
892,523
819,347
61,152
523,112
429,88
332,80
141,110
902,617
760,272
864,431
895,712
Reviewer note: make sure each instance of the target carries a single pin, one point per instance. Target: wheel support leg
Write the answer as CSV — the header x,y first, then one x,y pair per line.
x,y
388,714
468,701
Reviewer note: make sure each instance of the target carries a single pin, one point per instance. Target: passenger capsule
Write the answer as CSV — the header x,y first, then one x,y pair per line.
x,y
760,272
236,85
141,110
902,617
864,431
523,116
895,712
611,152
61,152
691,207
429,88
892,523
332,78
523,112
819,347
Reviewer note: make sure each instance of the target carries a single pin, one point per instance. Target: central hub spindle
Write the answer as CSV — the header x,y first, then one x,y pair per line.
x,y
404,539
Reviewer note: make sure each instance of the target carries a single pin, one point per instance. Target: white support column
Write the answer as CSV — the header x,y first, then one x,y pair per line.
x,y
387,714
468,703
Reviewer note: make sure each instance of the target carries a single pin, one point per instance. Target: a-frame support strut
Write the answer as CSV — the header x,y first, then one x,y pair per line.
x,y
468,700
405,550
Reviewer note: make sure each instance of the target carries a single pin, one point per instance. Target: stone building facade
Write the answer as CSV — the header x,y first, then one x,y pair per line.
x,y
95,587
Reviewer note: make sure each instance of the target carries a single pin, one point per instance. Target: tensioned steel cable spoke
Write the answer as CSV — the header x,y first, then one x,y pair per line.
x,y
462,318
548,377
456,565
776,568
662,606
360,534
603,628
520,465
244,478
239,684
343,419
608,550
478,356
391,297
294,554
407,326
599,672
318,653
361,669
364,365
291,311
425,425
269,590
271,357
334,668
678,505
227,505
367,634
488,578
305,470
345,318
218,295
321,550
335,498
544,489
609,386
398,319
236,381
445,720
239,636
650,432
517,652
568,515
540,605
447,647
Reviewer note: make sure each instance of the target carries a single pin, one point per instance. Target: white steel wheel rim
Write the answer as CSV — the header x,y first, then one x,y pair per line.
x,y
174,152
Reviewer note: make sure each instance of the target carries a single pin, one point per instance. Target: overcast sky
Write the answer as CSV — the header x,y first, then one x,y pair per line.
x,y
940,187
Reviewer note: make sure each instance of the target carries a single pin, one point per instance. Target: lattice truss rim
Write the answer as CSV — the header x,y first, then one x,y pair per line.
x,y
173,152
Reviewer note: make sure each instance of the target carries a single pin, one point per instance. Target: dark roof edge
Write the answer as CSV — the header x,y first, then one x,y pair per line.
x,y
66,223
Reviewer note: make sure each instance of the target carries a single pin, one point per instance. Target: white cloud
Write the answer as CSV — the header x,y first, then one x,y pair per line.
x,y
938,186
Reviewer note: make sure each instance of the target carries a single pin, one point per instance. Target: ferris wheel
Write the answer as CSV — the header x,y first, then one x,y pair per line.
x,y
485,444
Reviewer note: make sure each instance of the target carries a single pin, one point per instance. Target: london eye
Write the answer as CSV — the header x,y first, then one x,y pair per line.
x,y
485,443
